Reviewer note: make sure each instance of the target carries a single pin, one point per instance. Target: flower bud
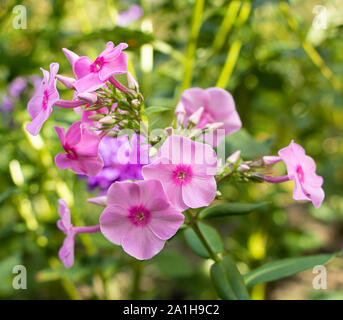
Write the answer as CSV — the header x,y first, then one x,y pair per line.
x,y
234,157
135,103
214,126
195,117
270,160
89,97
180,113
71,56
243,167
108,120
169,131
67,81
131,82
99,201
152,152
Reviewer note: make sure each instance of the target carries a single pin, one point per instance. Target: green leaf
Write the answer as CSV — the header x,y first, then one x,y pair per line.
x,y
210,234
230,209
173,264
228,281
285,268
250,148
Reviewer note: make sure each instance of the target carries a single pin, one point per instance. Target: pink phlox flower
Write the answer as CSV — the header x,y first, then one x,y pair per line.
x,y
81,146
132,14
93,75
186,170
66,253
219,107
40,105
302,170
139,218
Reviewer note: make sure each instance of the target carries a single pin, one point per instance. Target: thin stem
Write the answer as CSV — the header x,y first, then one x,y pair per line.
x,y
220,180
90,229
137,275
197,231
69,104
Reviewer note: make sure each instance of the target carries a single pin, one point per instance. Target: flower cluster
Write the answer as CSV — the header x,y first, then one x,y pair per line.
x,y
148,183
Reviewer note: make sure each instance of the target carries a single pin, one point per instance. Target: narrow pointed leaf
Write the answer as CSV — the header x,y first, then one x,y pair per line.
x,y
228,281
230,209
285,268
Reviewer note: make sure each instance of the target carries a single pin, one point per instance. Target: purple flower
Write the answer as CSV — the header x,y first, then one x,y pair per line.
x,y
123,159
16,87
132,14
6,103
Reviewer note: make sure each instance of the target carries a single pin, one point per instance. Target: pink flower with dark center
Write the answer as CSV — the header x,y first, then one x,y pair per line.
x,y
93,75
186,170
218,107
81,146
40,105
139,218
302,170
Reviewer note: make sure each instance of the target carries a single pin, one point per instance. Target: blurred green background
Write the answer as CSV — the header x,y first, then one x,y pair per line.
x,y
287,80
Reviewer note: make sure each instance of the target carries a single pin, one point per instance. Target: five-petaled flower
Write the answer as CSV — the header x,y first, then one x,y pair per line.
x,y
302,170
93,75
40,105
218,107
81,146
139,217
186,170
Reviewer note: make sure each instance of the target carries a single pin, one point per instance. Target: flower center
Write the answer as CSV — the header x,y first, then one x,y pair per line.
x,y
139,215
71,154
96,66
300,174
45,99
182,174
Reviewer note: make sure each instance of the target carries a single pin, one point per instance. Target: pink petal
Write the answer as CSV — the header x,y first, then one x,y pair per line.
x,y
141,243
317,195
81,67
62,161
89,166
64,213
124,194
88,144
193,99
71,56
116,66
34,106
165,223
200,192
36,124
114,223
73,135
66,253
61,133
90,82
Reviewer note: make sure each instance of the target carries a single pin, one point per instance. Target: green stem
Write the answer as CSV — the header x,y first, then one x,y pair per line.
x,y
197,231
137,275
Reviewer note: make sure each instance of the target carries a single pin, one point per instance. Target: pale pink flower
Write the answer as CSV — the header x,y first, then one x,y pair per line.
x,y
93,75
301,169
66,253
186,170
218,106
139,217
81,146
40,105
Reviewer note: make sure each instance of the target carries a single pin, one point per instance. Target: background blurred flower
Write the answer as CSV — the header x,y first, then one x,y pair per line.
x,y
17,86
132,14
